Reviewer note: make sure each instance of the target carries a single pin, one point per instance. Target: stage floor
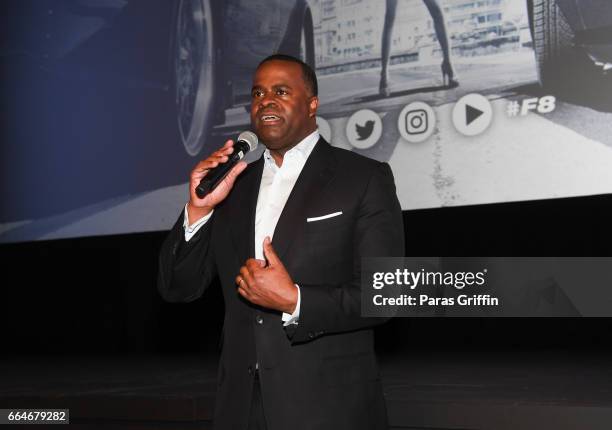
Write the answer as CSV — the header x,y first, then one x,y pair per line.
x,y
442,390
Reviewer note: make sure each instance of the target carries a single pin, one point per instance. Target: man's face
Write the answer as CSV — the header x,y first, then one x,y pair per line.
x,y
283,111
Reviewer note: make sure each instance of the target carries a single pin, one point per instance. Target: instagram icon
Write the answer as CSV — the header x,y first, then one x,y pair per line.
x,y
416,122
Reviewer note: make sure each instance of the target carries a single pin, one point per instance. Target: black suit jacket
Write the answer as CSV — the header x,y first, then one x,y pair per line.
x,y
321,373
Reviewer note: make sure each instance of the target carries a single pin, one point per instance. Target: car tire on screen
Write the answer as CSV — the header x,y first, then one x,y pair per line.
x,y
307,52
298,40
558,59
194,66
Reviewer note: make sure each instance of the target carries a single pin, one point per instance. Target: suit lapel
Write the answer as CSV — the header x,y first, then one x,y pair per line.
x,y
242,210
317,172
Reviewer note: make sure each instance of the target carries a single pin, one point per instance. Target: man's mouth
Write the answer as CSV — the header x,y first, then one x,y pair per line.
x,y
269,118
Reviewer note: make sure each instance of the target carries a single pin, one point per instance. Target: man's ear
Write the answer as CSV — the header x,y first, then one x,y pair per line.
x,y
312,106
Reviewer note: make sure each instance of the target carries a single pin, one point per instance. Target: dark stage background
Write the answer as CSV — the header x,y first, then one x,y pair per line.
x,y
97,295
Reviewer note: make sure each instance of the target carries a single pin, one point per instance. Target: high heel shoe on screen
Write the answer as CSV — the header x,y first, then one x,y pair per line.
x,y
448,77
383,88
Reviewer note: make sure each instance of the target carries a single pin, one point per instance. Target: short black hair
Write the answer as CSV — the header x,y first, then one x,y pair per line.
x,y
309,75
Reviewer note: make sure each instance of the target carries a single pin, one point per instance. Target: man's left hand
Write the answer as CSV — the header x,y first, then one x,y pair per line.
x,y
268,285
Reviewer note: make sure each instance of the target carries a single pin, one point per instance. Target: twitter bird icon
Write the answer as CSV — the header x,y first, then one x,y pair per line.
x,y
363,129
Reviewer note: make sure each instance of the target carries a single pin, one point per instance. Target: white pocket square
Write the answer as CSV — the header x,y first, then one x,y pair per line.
x,y
319,218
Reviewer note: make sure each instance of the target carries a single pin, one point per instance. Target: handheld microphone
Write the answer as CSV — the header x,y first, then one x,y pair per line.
x,y
247,141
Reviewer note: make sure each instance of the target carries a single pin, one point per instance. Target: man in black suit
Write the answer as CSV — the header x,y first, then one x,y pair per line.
x,y
296,353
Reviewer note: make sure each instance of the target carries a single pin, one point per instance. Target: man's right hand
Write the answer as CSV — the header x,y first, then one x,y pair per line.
x,y
197,207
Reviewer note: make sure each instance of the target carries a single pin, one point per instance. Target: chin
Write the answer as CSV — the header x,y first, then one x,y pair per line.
x,y
272,144
271,138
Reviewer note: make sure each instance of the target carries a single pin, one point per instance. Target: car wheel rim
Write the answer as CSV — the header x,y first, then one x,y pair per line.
x,y
303,56
194,67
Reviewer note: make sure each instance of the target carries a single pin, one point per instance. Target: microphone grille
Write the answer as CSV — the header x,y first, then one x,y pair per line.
x,y
250,138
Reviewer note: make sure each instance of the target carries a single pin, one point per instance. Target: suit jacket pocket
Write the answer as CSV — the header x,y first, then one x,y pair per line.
x,y
324,217
328,228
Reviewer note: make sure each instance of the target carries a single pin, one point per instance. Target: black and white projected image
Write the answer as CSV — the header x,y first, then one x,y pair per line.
x,y
108,104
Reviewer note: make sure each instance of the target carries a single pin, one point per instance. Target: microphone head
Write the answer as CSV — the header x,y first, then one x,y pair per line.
x,y
249,138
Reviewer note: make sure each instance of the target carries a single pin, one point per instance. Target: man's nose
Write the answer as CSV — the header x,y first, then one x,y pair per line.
x,y
267,101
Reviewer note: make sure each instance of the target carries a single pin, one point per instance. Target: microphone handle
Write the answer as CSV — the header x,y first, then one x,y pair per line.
x,y
216,175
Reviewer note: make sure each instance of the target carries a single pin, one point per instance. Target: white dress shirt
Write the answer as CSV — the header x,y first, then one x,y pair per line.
x,y
274,189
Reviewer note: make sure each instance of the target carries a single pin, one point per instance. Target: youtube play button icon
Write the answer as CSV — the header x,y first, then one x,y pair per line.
x,y
472,114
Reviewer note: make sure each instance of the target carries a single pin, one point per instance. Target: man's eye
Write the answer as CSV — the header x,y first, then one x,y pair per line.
x,y
257,93
281,92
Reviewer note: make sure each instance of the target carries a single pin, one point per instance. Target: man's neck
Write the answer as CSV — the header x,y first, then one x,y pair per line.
x,y
279,154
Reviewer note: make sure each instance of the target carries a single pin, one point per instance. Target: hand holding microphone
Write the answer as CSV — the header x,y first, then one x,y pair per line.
x,y
213,178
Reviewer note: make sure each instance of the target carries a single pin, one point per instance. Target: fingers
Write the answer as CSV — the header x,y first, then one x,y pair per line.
x,y
219,156
247,276
245,280
245,283
225,150
253,265
270,253
244,294
205,165
233,174
242,288
229,143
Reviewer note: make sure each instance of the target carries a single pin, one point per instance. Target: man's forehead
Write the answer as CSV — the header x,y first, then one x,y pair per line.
x,y
284,72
